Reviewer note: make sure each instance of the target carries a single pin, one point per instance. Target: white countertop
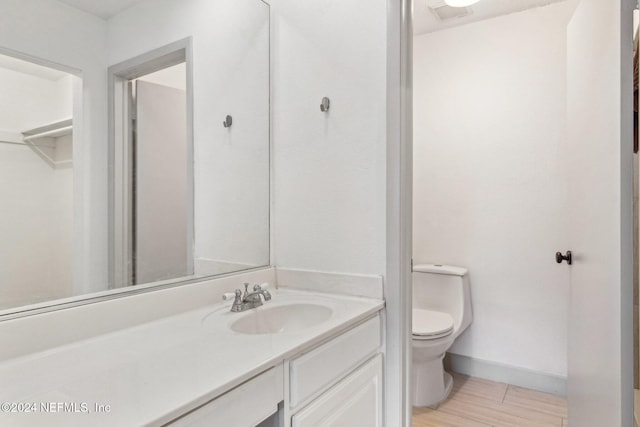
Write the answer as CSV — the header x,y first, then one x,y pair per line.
x,y
152,373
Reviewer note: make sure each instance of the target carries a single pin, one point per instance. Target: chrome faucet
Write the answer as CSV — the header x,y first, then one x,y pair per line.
x,y
250,299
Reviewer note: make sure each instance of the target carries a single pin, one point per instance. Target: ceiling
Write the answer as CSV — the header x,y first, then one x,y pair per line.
x,y
26,67
425,20
104,9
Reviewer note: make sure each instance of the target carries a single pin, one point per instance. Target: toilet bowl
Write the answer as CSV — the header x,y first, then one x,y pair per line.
x,y
441,312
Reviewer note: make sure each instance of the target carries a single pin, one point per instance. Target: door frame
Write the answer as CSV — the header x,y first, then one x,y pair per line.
x,y
626,214
397,284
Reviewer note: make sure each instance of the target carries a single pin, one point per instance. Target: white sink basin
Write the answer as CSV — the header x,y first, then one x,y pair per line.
x,y
288,318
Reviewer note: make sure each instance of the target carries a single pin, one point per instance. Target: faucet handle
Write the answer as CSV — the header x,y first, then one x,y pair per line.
x,y
261,287
231,295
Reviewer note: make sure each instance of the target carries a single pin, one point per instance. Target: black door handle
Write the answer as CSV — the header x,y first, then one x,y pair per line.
x,y
560,257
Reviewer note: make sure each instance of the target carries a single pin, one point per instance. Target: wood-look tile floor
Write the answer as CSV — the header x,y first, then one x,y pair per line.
x,y
475,402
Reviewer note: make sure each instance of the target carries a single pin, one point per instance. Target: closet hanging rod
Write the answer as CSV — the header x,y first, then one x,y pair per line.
x,y
20,143
13,142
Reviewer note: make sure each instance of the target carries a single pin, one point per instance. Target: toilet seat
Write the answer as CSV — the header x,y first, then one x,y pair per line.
x,y
429,324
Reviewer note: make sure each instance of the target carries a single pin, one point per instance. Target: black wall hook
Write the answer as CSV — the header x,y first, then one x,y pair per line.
x,y
326,103
567,257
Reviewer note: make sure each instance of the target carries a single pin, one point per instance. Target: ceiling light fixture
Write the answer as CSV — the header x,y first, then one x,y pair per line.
x,y
460,3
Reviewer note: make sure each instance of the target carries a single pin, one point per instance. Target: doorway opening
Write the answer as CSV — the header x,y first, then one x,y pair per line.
x,y
159,176
493,190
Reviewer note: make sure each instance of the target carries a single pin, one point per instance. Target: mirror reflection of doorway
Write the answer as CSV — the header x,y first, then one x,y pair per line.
x,y
152,171
160,177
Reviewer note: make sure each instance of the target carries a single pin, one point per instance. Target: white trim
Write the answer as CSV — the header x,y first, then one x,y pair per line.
x,y
626,212
397,284
206,267
272,179
509,374
39,61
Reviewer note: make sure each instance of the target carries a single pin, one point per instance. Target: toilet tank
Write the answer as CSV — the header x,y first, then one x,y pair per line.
x,y
443,288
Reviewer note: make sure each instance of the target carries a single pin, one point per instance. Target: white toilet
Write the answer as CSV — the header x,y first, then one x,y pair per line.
x,y
441,312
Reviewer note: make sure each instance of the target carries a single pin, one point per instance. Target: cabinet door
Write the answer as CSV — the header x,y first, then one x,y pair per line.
x,y
355,401
314,372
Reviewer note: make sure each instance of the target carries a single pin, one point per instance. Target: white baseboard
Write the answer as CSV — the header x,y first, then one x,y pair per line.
x,y
514,375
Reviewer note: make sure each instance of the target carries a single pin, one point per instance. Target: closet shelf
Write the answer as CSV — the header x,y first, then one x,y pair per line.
x,y
53,130
43,140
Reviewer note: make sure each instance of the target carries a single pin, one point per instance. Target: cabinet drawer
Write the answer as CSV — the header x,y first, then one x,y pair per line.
x,y
313,372
354,401
246,405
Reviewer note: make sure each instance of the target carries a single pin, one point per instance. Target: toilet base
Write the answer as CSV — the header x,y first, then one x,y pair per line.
x,y
430,384
448,386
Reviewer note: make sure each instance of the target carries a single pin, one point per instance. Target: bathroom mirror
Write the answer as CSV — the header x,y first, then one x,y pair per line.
x,y
165,105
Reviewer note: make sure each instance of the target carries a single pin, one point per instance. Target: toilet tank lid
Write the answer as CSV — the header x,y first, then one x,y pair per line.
x,y
440,269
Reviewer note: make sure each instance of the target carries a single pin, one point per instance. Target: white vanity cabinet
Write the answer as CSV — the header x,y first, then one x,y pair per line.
x,y
335,384
340,382
354,401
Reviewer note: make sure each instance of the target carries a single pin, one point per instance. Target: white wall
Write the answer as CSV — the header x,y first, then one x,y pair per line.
x,y
174,77
36,216
329,169
230,77
489,179
61,220
29,102
49,31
